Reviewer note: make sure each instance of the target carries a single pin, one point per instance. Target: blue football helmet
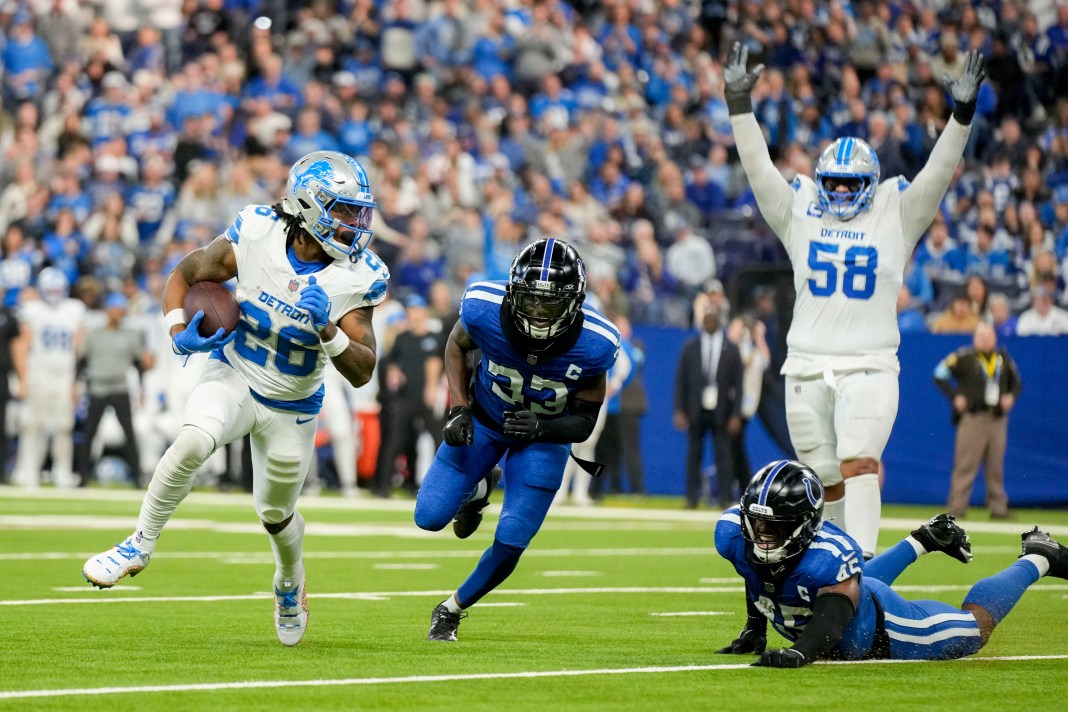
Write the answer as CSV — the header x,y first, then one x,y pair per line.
x,y
330,195
781,511
52,285
850,162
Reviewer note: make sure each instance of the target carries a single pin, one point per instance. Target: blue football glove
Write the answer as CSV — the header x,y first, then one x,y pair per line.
x,y
313,300
781,658
189,341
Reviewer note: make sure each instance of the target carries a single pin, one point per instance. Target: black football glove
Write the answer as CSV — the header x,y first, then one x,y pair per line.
x,y
781,658
737,82
748,641
966,89
523,424
459,427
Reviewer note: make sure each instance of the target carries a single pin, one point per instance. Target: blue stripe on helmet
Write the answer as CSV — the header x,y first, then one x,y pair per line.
x,y
771,478
547,258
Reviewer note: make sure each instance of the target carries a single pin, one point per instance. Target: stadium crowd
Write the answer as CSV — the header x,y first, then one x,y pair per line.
x,y
132,131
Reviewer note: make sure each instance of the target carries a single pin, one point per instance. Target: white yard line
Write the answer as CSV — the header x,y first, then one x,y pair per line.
x,y
407,680
94,596
687,614
568,574
708,516
267,557
404,567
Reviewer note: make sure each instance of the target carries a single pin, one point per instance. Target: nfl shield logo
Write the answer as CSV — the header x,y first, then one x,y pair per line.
x,y
797,389
293,285
532,359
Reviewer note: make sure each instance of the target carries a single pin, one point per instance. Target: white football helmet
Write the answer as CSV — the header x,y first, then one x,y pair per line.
x,y
52,285
850,162
330,194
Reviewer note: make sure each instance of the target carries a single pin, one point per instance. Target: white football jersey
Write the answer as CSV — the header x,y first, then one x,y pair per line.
x,y
847,273
277,349
53,329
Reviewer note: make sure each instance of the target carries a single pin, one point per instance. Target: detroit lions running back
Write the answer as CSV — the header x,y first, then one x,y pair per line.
x,y
307,286
537,389
807,577
849,239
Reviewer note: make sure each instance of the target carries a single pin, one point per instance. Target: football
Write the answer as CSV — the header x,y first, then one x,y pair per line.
x,y
218,304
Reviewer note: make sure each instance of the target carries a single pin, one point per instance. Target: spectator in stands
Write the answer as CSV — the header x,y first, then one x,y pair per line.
x,y
110,352
690,260
27,62
708,401
909,319
960,318
983,385
1042,319
978,292
1001,316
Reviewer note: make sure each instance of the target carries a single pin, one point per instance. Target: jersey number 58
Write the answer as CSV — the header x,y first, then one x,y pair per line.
x,y
858,281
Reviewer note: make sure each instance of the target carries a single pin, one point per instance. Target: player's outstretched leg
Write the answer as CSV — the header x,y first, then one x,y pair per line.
x,y
470,515
105,569
1036,542
943,534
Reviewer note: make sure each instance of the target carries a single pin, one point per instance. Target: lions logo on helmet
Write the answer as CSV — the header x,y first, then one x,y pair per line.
x,y
330,194
781,511
52,285
848,163
546,287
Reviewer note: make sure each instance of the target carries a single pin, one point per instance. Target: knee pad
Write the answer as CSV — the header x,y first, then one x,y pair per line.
x,y
191,447
284,480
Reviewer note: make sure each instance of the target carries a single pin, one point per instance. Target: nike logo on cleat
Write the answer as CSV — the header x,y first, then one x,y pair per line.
x,y
306,420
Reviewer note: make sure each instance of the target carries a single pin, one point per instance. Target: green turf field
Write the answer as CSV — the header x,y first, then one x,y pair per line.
x,y
619,607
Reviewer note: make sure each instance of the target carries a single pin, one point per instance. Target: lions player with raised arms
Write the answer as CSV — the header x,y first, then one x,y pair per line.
x,y
809,579
307,286
849,238
537,389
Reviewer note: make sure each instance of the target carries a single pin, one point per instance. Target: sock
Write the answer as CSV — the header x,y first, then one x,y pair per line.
x,y
1041,563
835,512
888,565
173,479
997,594
452,604
495,566
480,490
916,545
863,509
143,542
288,545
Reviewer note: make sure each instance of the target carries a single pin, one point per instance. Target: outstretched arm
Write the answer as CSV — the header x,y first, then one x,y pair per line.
x,y
831,612
773,194
921,199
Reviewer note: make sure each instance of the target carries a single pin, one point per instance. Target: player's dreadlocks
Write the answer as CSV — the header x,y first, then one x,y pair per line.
x,y
291,222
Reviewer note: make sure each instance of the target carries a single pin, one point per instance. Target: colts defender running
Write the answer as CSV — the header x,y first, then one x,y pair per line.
x,y
849,239
307,286
537,389
808,578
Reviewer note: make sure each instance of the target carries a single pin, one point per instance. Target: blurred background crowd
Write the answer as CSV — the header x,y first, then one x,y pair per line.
x,y
132,131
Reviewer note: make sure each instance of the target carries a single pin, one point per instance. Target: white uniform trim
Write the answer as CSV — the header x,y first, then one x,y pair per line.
x,y
610,335
488,285
827,546
930,620
934,637
495,298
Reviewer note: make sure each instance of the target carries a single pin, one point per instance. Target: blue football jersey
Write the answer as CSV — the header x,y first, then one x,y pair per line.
x,y
508,379
830,559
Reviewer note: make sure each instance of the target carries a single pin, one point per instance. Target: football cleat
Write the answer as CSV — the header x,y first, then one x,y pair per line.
x,y
104,570
943,534
444,623
1041,543
291,610
470,514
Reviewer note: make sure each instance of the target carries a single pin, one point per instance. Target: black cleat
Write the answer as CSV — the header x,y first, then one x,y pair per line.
x,y
1041,543
943,534
444,623
470,515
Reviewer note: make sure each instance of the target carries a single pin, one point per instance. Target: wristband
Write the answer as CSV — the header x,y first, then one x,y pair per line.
x,y
175,317
336,345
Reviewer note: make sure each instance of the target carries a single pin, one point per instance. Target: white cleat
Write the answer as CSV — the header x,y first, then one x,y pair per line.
x,y
104,570
291,610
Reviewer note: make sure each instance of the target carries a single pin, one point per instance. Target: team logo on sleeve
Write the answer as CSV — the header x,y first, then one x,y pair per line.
x,y
815,211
